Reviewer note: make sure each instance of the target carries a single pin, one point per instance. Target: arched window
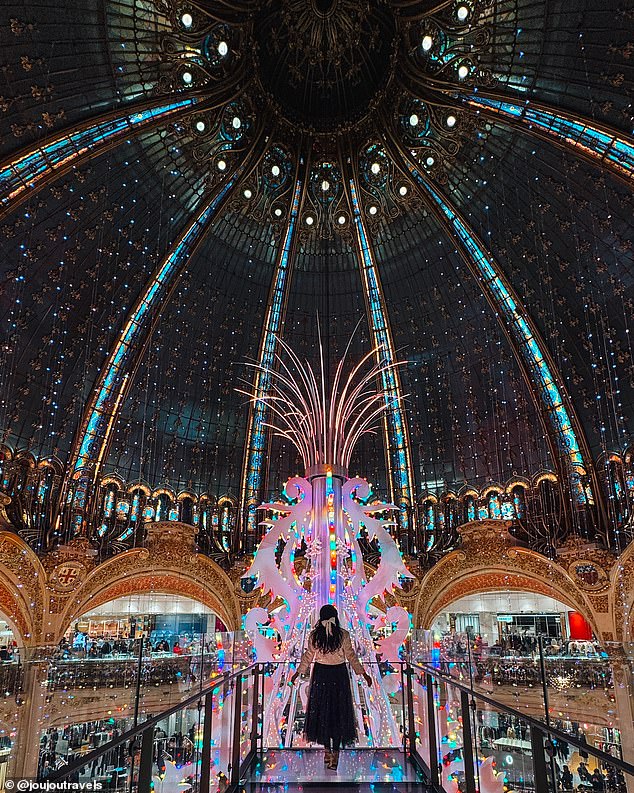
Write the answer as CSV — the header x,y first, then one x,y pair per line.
x,y
225,527
451,513
135,511
110,488
494,509
430,516
227,517
519,501
617,491
549,498
5,466
628,465
508,512
186,510
469,508
163,507
109,502
429,522
48,481
204,514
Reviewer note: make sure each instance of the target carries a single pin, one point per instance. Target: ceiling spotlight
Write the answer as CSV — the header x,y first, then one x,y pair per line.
x,y
463,71
413,120
247,193
325,185
187,20
341,220
221,165
429,161
375,168
223,48
462,13
200,126
236,123
278,213
275,170
402,190
428,43
451,121
187,77
309,220
373,210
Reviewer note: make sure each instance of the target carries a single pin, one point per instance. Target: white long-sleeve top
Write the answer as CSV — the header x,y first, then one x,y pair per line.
x,y
339,656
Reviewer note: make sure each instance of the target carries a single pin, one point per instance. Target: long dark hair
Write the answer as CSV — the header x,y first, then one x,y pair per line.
x,y
319,636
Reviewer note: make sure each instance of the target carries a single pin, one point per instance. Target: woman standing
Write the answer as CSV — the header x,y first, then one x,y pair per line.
x,y
330,718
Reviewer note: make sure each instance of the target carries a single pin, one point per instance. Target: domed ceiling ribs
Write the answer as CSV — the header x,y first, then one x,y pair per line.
x,y
397,445
90,447
568,443
24,174
599,144
273,322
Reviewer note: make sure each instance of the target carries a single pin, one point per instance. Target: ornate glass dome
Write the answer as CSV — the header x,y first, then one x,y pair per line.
x,y
184,184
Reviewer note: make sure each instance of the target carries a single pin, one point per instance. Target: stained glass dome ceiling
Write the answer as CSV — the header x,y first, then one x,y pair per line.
x,y
455,176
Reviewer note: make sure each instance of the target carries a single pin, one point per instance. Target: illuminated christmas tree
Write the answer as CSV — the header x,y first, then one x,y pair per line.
x,y
322,515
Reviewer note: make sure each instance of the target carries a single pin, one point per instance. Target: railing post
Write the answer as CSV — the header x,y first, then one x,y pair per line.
x,y
431,726
467,743
205,759
255,710
540,770
139,669
411,724
145,763
237,722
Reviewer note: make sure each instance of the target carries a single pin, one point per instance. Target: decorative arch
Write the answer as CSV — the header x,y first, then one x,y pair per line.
x,y
622,581
488,561
113,479
544,476
517,481
164,581
22,588
141,486
492,487
169,564
164,491
186,494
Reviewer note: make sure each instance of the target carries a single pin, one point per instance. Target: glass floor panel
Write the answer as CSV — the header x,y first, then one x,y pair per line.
x,y
356,767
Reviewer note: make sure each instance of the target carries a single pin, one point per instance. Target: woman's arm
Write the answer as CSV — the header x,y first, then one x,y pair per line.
x,y
307,659
351,656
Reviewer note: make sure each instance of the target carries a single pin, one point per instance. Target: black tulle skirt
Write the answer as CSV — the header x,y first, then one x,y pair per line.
x,y
329,712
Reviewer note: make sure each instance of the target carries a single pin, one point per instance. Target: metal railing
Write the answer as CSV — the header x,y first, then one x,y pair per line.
x,y
229,715
139,742
439,687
